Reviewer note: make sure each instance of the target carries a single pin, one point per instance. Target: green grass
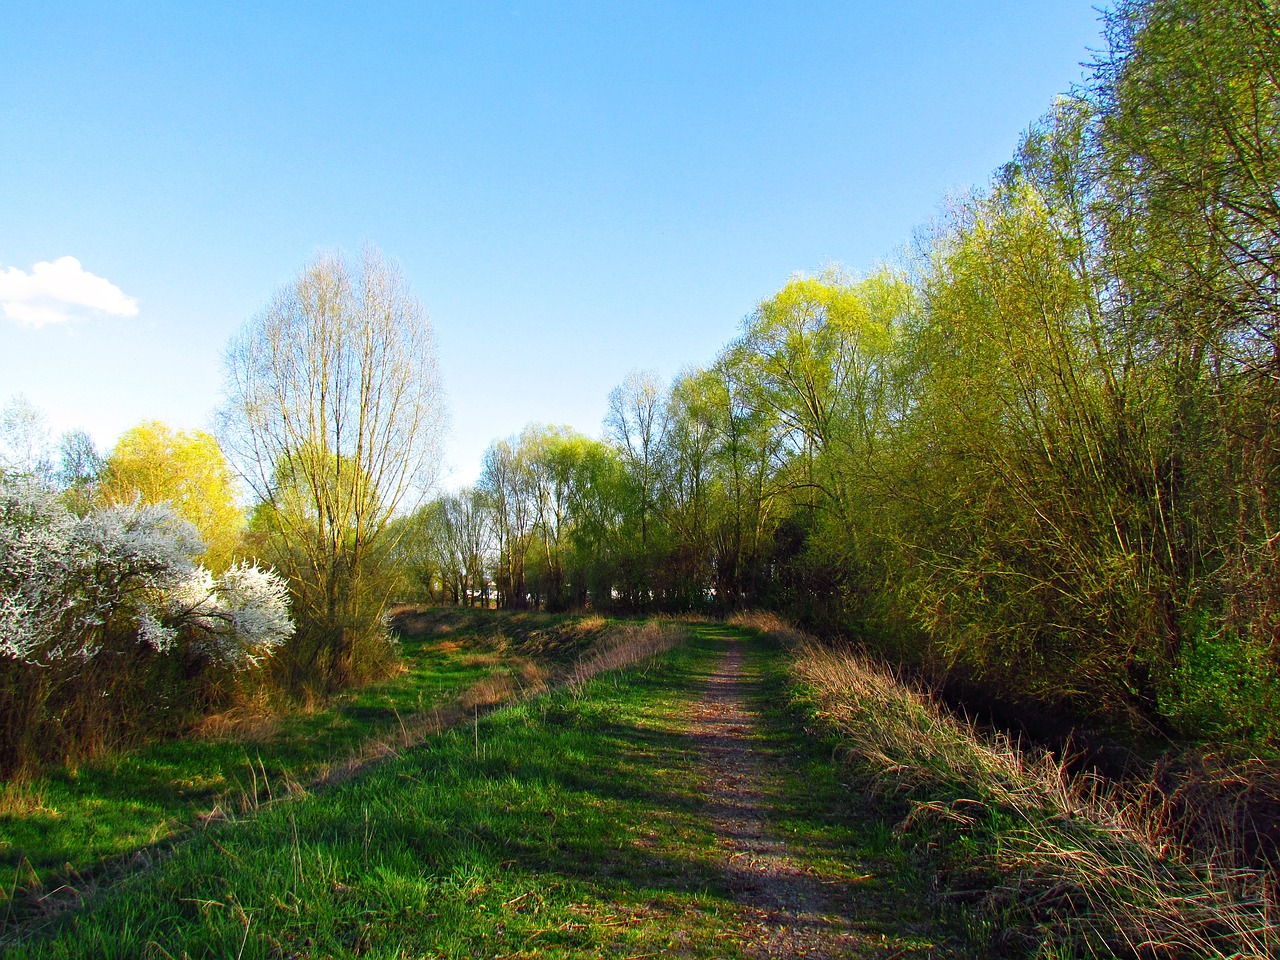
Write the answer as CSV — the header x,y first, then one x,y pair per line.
x,y
569,825
70,819
825,817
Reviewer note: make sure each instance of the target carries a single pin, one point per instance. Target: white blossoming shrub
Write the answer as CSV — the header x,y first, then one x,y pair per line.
x,y
257,602
242,616
124,563
193,601
35,534
69,584
113,600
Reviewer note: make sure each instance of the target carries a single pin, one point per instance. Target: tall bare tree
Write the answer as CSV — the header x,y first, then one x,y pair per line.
x,y
334,414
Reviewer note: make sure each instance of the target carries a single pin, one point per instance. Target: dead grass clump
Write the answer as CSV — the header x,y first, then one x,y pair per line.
x,y
23,798
1214,800
489,692
488,659
770,623
447,647
1064,864
254,718
592,623
625,645
533,677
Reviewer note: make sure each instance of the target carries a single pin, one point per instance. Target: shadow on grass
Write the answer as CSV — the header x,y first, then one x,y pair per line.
x,y
119,805
568,822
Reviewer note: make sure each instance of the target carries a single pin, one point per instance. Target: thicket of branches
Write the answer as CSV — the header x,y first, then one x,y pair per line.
x,y
1045,449
333,415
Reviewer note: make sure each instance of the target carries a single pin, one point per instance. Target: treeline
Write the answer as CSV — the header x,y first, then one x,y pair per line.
x,y
1044,450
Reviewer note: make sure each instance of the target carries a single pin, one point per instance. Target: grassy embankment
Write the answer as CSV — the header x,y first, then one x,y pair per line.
x,y
569,825
1038,861
56,827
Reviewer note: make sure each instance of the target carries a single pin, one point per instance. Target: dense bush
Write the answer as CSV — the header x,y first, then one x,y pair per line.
x,y
108,628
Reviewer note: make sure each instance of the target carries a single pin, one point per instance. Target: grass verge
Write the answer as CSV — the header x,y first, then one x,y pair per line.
x,y
1041,862
565,826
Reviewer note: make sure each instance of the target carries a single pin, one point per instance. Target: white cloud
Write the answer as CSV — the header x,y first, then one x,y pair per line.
x,y
60,291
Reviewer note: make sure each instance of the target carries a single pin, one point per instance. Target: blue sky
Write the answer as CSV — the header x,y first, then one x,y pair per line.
x,y
574,190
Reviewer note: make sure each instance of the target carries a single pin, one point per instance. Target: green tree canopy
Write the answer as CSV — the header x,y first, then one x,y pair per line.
x,y
156,464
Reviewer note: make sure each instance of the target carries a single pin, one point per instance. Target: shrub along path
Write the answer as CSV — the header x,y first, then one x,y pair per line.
x,y
63,823
674,809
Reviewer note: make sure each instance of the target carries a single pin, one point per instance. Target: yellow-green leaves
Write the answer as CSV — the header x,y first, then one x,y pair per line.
x,y
156,464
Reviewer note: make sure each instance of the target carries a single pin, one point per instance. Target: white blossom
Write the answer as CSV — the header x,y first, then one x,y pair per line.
x,y
148,545
255,604
70,585
154,633
35,532
194,600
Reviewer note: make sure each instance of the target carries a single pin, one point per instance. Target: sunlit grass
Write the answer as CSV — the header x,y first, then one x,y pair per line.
x,y
569,825
75,817
1037,859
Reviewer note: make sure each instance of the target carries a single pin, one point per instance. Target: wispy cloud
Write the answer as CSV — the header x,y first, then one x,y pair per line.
x,y
54,292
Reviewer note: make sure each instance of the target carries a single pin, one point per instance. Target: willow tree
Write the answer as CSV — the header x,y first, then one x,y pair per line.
x,y
454,536
636,423
508,488
1189,94
818,363
334,414
687,462
555,464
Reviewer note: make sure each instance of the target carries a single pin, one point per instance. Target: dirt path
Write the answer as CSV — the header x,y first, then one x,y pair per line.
x,y
791,912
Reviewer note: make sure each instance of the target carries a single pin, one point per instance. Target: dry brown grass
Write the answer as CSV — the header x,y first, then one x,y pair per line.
x,y
592,623
625,645
489,658
22,798
766,622
447,646
253,718
1219,800
1062,864
533,677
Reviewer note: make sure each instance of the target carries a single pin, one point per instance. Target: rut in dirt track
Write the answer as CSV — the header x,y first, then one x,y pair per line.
x,y
793,913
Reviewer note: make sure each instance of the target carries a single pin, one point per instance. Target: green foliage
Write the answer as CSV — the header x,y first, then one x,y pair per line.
x,y
1044,453
107,808
572,825
1224,688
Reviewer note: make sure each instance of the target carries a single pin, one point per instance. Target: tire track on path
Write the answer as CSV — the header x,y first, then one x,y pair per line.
x,y
792,911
